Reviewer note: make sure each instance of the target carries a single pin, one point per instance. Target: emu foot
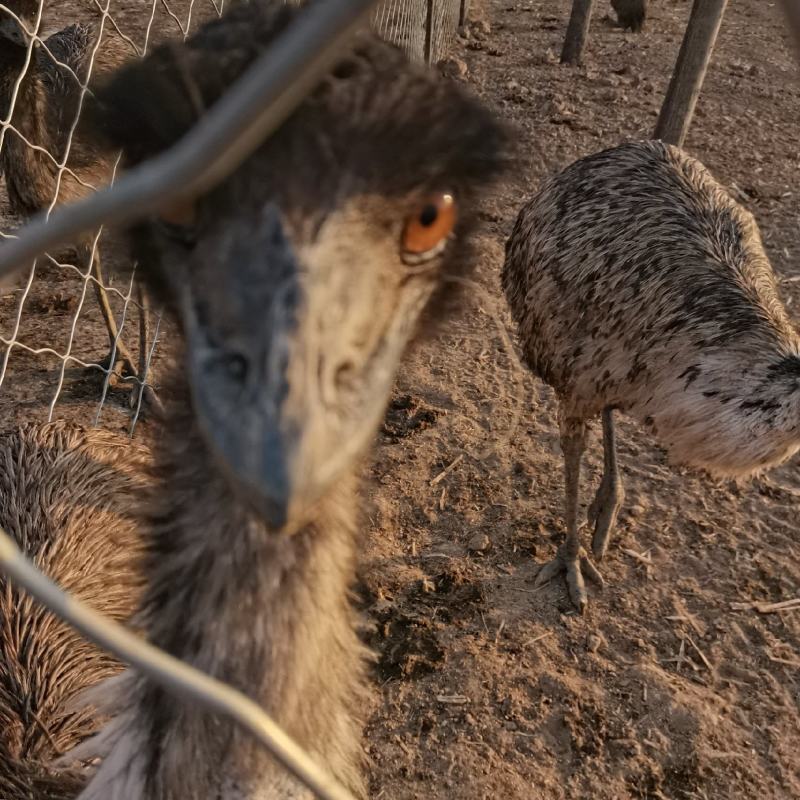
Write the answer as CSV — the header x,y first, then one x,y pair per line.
x,y
149,399
123,372
574,568
122,366
603,513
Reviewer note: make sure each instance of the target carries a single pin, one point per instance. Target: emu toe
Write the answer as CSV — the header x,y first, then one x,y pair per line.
x,y
602,513
574,567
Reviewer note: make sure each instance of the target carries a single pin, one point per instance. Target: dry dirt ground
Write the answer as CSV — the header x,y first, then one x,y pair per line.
x,y
674,685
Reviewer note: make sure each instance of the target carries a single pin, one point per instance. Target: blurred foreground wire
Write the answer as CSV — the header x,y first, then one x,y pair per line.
x,y
169,672
256,105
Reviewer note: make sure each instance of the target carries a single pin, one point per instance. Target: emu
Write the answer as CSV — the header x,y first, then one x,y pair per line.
x,y
631,14
639,285
71,499
297,283
47,103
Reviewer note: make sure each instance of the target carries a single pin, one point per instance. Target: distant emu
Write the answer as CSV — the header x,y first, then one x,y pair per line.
x,y
638,284
297,284
44,110
631,14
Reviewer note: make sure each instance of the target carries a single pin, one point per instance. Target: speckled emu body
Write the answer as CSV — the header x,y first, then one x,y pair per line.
x,y
638,284
72,499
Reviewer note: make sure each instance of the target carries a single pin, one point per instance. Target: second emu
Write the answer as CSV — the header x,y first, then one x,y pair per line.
x,y
40,98
638,284
631,14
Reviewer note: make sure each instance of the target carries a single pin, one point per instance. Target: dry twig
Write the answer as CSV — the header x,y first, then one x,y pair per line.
x,y
447,470
537,638
768,608
700,653
452,699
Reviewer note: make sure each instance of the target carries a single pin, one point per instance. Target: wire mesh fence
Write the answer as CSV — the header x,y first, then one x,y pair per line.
x,y
72,335
423,28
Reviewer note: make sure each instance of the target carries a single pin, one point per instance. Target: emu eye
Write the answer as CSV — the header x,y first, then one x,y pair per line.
x,y
180,214
177,221
428,228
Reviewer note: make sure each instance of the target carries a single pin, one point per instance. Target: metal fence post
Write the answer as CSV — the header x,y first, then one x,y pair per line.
x,y
462,13
428,31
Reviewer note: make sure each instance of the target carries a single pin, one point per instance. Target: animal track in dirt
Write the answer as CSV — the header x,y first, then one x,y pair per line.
x,y
407,645
406,416
405,631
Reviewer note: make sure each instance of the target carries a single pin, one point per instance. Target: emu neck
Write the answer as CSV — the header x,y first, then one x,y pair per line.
x,y
29,173
265,612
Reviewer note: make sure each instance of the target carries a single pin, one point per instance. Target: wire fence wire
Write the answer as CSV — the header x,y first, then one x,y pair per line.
x,y
57,347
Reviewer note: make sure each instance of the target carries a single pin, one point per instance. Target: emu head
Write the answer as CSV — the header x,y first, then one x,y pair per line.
x,y
16,20
301,279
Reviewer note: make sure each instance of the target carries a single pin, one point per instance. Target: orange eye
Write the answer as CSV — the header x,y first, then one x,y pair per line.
x,y
427,230
180,213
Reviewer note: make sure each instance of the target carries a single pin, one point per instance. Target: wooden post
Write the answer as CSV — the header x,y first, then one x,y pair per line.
x,y
577,31
429,31
690,71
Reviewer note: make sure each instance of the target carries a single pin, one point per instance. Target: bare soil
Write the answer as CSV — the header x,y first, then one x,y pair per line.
x,y
674,684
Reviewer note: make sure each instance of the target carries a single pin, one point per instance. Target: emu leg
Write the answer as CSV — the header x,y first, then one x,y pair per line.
x,y
610,494
146,393
121,356
571,557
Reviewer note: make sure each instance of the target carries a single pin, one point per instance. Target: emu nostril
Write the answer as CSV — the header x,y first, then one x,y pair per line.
x,y
344,376
236,366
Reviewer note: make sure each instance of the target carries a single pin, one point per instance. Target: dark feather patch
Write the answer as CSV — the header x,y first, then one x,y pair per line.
x,y
372,103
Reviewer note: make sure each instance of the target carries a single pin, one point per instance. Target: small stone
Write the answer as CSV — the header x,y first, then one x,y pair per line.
x,y
594,641
453,68
479,543
625,748
635,511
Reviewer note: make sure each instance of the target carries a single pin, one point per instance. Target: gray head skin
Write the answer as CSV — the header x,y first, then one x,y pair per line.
x,y
638,284
297,283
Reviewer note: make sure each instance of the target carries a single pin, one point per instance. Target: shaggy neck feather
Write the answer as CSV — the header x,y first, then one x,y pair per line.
x,y
27,121
265,612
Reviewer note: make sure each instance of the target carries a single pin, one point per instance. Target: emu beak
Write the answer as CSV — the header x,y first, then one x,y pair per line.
x,y
281,396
